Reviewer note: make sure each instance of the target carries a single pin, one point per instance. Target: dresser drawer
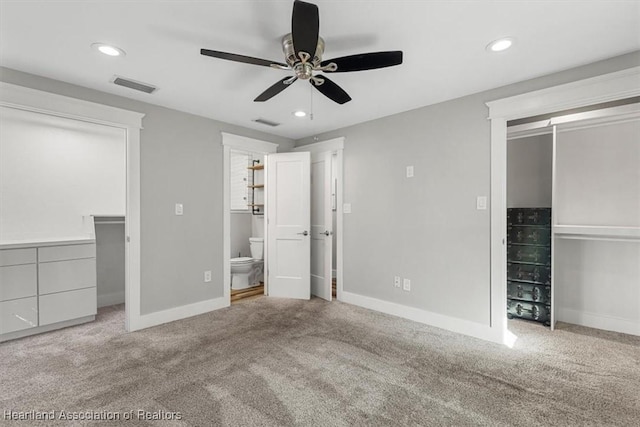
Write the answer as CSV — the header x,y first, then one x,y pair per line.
x,y
18,281
66,275
18,314
529,273
528,310
540,255
60,253
529,235
529,292
529,216
17,256
63,306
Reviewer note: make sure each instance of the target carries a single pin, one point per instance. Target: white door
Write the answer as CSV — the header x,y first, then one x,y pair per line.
x,y
321,225
288,220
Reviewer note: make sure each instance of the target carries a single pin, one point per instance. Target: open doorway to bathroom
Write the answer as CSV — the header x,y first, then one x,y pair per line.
x,y
244,221
246,192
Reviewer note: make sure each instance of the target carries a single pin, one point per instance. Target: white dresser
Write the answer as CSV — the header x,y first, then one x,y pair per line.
x,y
46,285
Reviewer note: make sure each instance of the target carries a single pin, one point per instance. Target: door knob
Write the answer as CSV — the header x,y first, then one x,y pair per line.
x,y
304,233
326,233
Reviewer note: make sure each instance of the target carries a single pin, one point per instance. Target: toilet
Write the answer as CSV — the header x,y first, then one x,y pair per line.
x,y
248,271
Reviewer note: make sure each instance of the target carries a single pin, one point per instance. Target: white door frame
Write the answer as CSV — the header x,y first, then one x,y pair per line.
x,y
335,146
241,143
22,98
604,88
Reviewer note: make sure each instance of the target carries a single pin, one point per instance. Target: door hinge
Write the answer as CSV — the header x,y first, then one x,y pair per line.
x,y
128,239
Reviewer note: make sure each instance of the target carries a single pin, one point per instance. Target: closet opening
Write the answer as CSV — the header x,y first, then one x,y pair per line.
x,y
573,218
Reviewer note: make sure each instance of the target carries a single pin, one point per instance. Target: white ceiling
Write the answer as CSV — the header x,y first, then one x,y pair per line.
x,y
443,43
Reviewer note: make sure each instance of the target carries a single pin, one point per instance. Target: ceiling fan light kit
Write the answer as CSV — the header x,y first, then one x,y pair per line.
x,y
303,49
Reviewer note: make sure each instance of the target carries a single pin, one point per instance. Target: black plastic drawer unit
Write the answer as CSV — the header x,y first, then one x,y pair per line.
x,y
529,264
540,255
529,273
529,292
529,310
529,216
528,235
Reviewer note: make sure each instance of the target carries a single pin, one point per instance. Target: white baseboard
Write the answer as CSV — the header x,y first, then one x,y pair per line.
x,y
598,321
465,327
105,300
177,313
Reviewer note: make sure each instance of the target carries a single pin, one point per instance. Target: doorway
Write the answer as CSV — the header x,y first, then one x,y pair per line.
x,y
246,221
129,123
327,217
596,90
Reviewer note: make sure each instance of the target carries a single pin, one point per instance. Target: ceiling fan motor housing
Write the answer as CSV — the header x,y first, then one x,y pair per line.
x,y
303,70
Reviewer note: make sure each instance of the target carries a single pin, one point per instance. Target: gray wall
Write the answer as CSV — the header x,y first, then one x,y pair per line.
x,y
110,264
240,232
529,172
181,162
426,228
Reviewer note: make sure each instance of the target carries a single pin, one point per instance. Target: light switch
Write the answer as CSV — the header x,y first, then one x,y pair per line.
x,y
179,209
409,171
481,203
346,208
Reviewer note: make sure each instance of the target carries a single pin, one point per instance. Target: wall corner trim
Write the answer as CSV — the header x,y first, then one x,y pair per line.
x,y
178,313
460,326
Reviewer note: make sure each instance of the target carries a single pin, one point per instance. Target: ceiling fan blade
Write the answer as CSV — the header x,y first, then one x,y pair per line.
x,y
305,25
275,89
364,61
241,58
331,90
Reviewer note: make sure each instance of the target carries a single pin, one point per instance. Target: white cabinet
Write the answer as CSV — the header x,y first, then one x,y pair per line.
x,y
18,314
18,290
69,305
18,281
46,286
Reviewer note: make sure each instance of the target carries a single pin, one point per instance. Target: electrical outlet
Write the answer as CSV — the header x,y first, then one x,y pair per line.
x,y
207,276
346,208
396,281
179,209
406,285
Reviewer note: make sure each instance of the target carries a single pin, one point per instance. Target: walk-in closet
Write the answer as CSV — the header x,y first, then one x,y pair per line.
x,y
573,218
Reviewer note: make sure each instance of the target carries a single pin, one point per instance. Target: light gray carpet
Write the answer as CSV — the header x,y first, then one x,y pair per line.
x,y
283,362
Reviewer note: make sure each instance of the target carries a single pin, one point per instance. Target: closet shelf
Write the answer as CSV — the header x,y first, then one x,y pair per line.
x,y
596,232
256,204
256,186
256,167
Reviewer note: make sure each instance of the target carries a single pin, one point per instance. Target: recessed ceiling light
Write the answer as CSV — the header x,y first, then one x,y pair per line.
x,y
299,113
500,44
108,49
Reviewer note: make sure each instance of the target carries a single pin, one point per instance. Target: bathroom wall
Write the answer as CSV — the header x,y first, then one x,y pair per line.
x,y
257,225
240,226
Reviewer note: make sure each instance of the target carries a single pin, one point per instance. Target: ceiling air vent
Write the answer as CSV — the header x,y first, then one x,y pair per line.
x,y
266,122
132,84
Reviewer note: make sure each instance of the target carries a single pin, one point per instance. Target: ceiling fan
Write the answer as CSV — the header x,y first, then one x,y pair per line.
x,y
303,49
